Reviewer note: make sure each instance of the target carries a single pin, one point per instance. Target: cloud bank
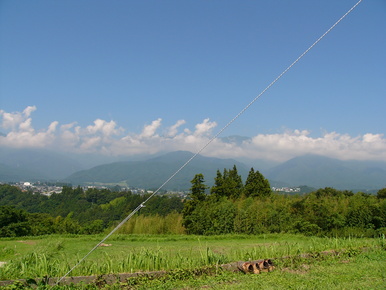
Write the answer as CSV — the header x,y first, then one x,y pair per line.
x,y
106,137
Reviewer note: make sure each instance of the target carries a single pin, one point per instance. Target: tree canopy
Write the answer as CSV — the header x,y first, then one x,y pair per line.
x,y
252,208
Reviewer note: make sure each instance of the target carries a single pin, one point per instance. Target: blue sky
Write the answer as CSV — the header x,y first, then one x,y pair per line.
x,y
139,77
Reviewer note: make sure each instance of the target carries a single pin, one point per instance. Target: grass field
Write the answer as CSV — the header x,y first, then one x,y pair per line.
x,y
360,263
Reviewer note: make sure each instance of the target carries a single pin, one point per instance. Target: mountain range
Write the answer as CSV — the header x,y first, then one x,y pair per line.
x,y
310,170
153,172
320,171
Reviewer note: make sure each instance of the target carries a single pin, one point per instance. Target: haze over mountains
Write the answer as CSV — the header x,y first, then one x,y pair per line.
x,y
311,170
153,172
319,172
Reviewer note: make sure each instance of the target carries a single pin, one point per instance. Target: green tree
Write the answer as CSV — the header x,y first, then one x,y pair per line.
x,y
232,183
198,188
256,185
41,224
219,217
67,225
95,227
10,215
197,195
217,189
381,193
13,222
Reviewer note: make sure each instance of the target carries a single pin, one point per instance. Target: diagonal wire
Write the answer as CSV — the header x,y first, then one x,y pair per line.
x,y
255,99
212,139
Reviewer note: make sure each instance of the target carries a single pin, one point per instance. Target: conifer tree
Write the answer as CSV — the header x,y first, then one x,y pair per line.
x,y
218,188
256,185
232,183
198,196
197,191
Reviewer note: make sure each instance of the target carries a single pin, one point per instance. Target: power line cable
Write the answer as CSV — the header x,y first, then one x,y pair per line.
x,y
211,140
254,100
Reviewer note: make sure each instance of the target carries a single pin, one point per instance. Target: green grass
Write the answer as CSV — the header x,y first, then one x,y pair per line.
x,y
53,256
365,271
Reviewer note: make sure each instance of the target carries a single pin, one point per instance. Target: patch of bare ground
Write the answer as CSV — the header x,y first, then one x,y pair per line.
x,y
105,245
27,242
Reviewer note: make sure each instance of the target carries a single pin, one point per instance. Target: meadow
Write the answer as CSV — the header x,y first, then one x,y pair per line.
x,y
356,260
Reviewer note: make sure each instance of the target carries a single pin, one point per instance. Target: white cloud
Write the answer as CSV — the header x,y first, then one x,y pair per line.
x,y
149,130
105,137
90,144
290,144
52,127
22,134
26,125
173,130
205,127
16,120
104,128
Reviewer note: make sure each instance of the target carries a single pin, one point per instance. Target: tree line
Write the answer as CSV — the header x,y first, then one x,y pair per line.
x,y
229,206
252,208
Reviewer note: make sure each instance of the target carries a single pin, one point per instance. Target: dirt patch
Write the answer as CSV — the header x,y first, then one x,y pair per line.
x,y
105,245
330,253
2,264
27,242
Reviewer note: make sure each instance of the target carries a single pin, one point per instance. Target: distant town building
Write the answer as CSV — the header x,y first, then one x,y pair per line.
x,y
286,189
